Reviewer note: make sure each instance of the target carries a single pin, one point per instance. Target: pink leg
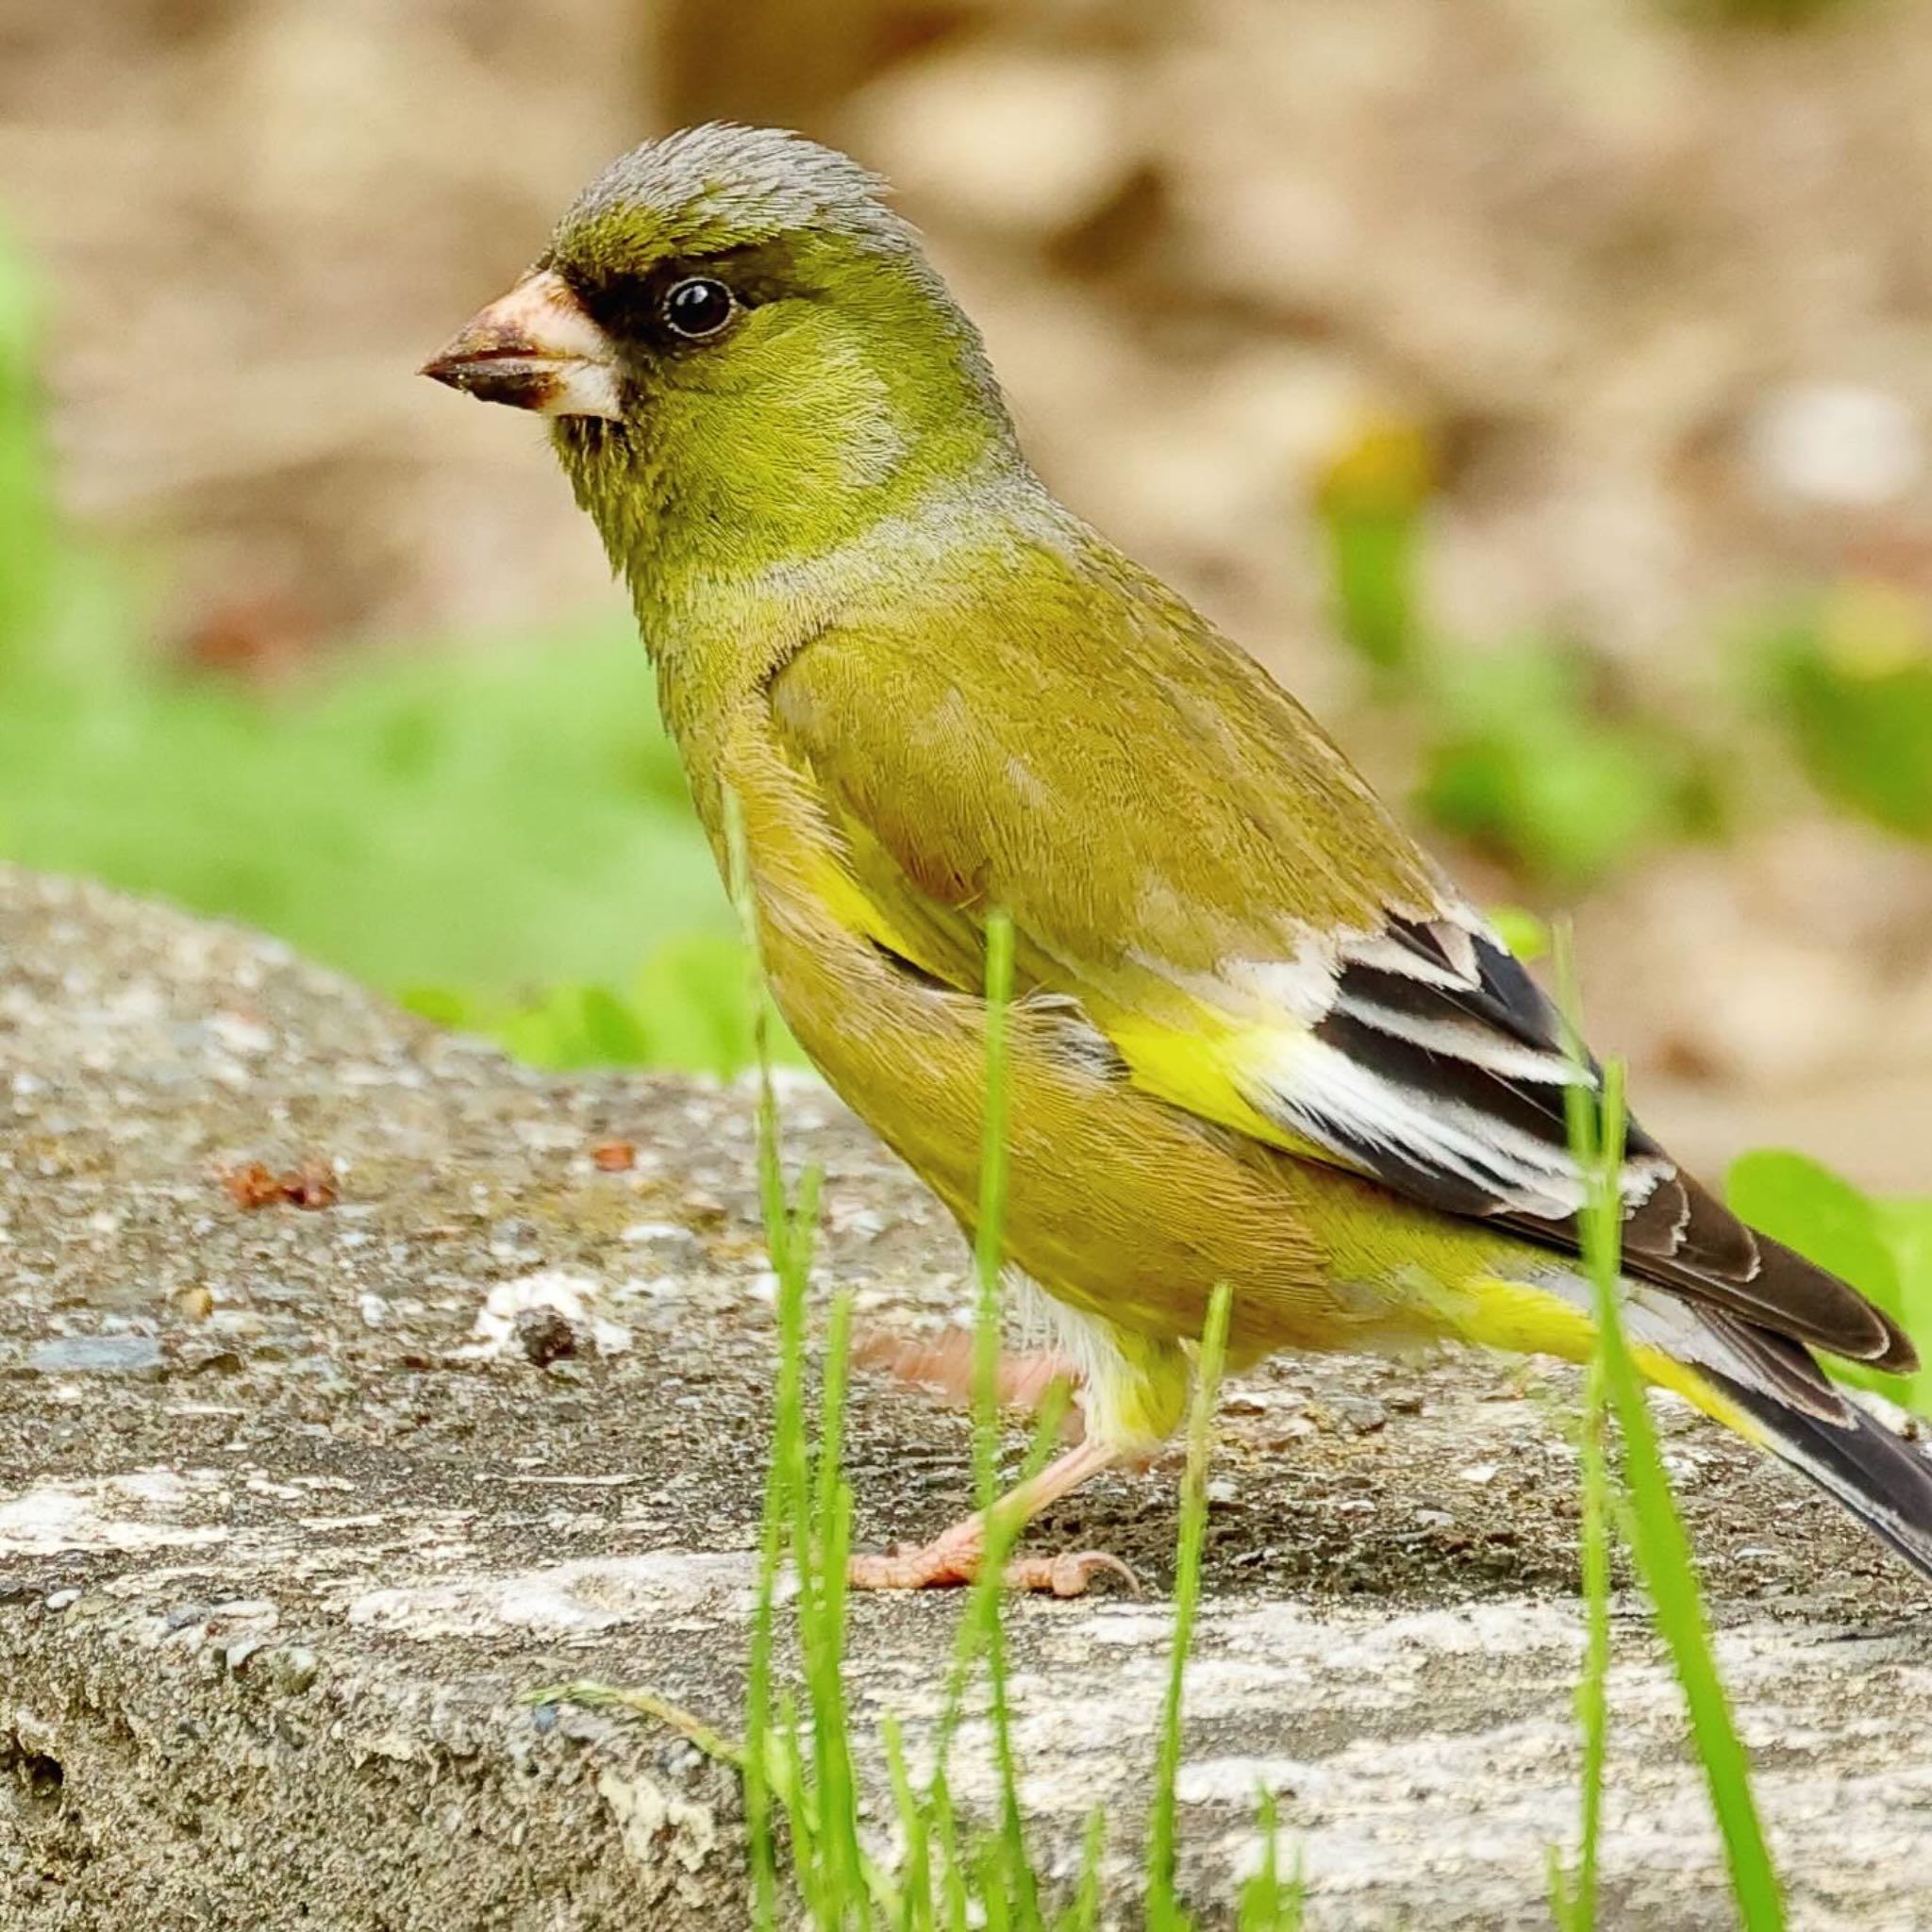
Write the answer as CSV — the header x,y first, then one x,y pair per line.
x,y
954,1557
945,1366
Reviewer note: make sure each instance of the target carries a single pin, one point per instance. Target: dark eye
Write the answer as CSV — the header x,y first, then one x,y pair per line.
x,y
697,307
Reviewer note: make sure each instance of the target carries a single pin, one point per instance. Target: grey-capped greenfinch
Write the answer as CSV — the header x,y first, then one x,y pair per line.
x,y
1259,1038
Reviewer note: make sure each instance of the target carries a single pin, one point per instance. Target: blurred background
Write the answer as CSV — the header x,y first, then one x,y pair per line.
x,y
1542,387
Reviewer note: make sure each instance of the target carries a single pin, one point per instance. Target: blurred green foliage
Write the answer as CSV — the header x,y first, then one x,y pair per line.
x,y
504,832
27,545
1761,13
1524,758
1522,931
506,824
1532,751
1882,1247
1524,749
1369,506
1852,680
485,819
685,1009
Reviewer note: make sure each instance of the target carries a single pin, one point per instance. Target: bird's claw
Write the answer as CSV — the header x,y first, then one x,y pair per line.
x,y
1069,1574
942,1565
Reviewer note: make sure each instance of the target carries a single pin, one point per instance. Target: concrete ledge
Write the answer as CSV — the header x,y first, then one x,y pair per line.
x,y
286,1532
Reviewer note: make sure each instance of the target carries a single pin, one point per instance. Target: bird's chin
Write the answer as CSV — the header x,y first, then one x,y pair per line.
x,y
597,451
580,430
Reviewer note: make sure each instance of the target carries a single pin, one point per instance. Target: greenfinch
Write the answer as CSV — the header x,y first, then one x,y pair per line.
x,y
1259,1038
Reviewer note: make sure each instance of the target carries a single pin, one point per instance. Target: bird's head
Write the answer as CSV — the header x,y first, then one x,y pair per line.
x,y
743,352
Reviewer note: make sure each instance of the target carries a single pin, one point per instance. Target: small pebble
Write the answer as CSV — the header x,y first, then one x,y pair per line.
x,y
668,1241
292,1668
513,1236
1362,1413
545,1336
256,1185
63,1599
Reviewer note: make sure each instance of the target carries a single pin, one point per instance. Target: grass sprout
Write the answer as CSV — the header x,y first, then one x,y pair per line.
x,y
1597,1119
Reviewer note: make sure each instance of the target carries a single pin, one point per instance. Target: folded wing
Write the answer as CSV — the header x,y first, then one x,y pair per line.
x,y
1203,872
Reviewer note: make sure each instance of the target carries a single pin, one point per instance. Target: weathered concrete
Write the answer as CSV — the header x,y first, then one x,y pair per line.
x,y
282,1540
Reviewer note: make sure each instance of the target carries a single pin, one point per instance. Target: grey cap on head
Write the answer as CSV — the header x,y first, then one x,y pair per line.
x,y
722,186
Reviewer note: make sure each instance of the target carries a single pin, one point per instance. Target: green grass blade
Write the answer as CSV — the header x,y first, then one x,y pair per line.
x,y
984,1606
1021,1900
787,1426
1260,1904
1163,1909
1083,1914
915,1869
1021,1888
793,1784
1661,1548
1574,1903
993,1891
945,1829
1269,1903
822,1612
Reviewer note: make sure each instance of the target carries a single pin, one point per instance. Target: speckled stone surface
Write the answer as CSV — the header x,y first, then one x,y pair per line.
x,y
290,1517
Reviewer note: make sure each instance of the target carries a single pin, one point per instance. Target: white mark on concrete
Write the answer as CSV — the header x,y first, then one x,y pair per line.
x,y
240,1035
567,1599
650,1823
108,1513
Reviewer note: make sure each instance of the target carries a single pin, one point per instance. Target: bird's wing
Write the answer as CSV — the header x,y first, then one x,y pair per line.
x,y
1182,851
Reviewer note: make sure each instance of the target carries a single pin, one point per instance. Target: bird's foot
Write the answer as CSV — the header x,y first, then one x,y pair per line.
x,y
951,1562
1069,1574
945,1366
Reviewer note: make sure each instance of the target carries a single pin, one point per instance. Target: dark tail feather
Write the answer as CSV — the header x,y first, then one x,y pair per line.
x,y
1880,1478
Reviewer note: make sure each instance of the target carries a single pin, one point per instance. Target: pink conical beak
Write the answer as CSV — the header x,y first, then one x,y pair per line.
x,y
533,349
